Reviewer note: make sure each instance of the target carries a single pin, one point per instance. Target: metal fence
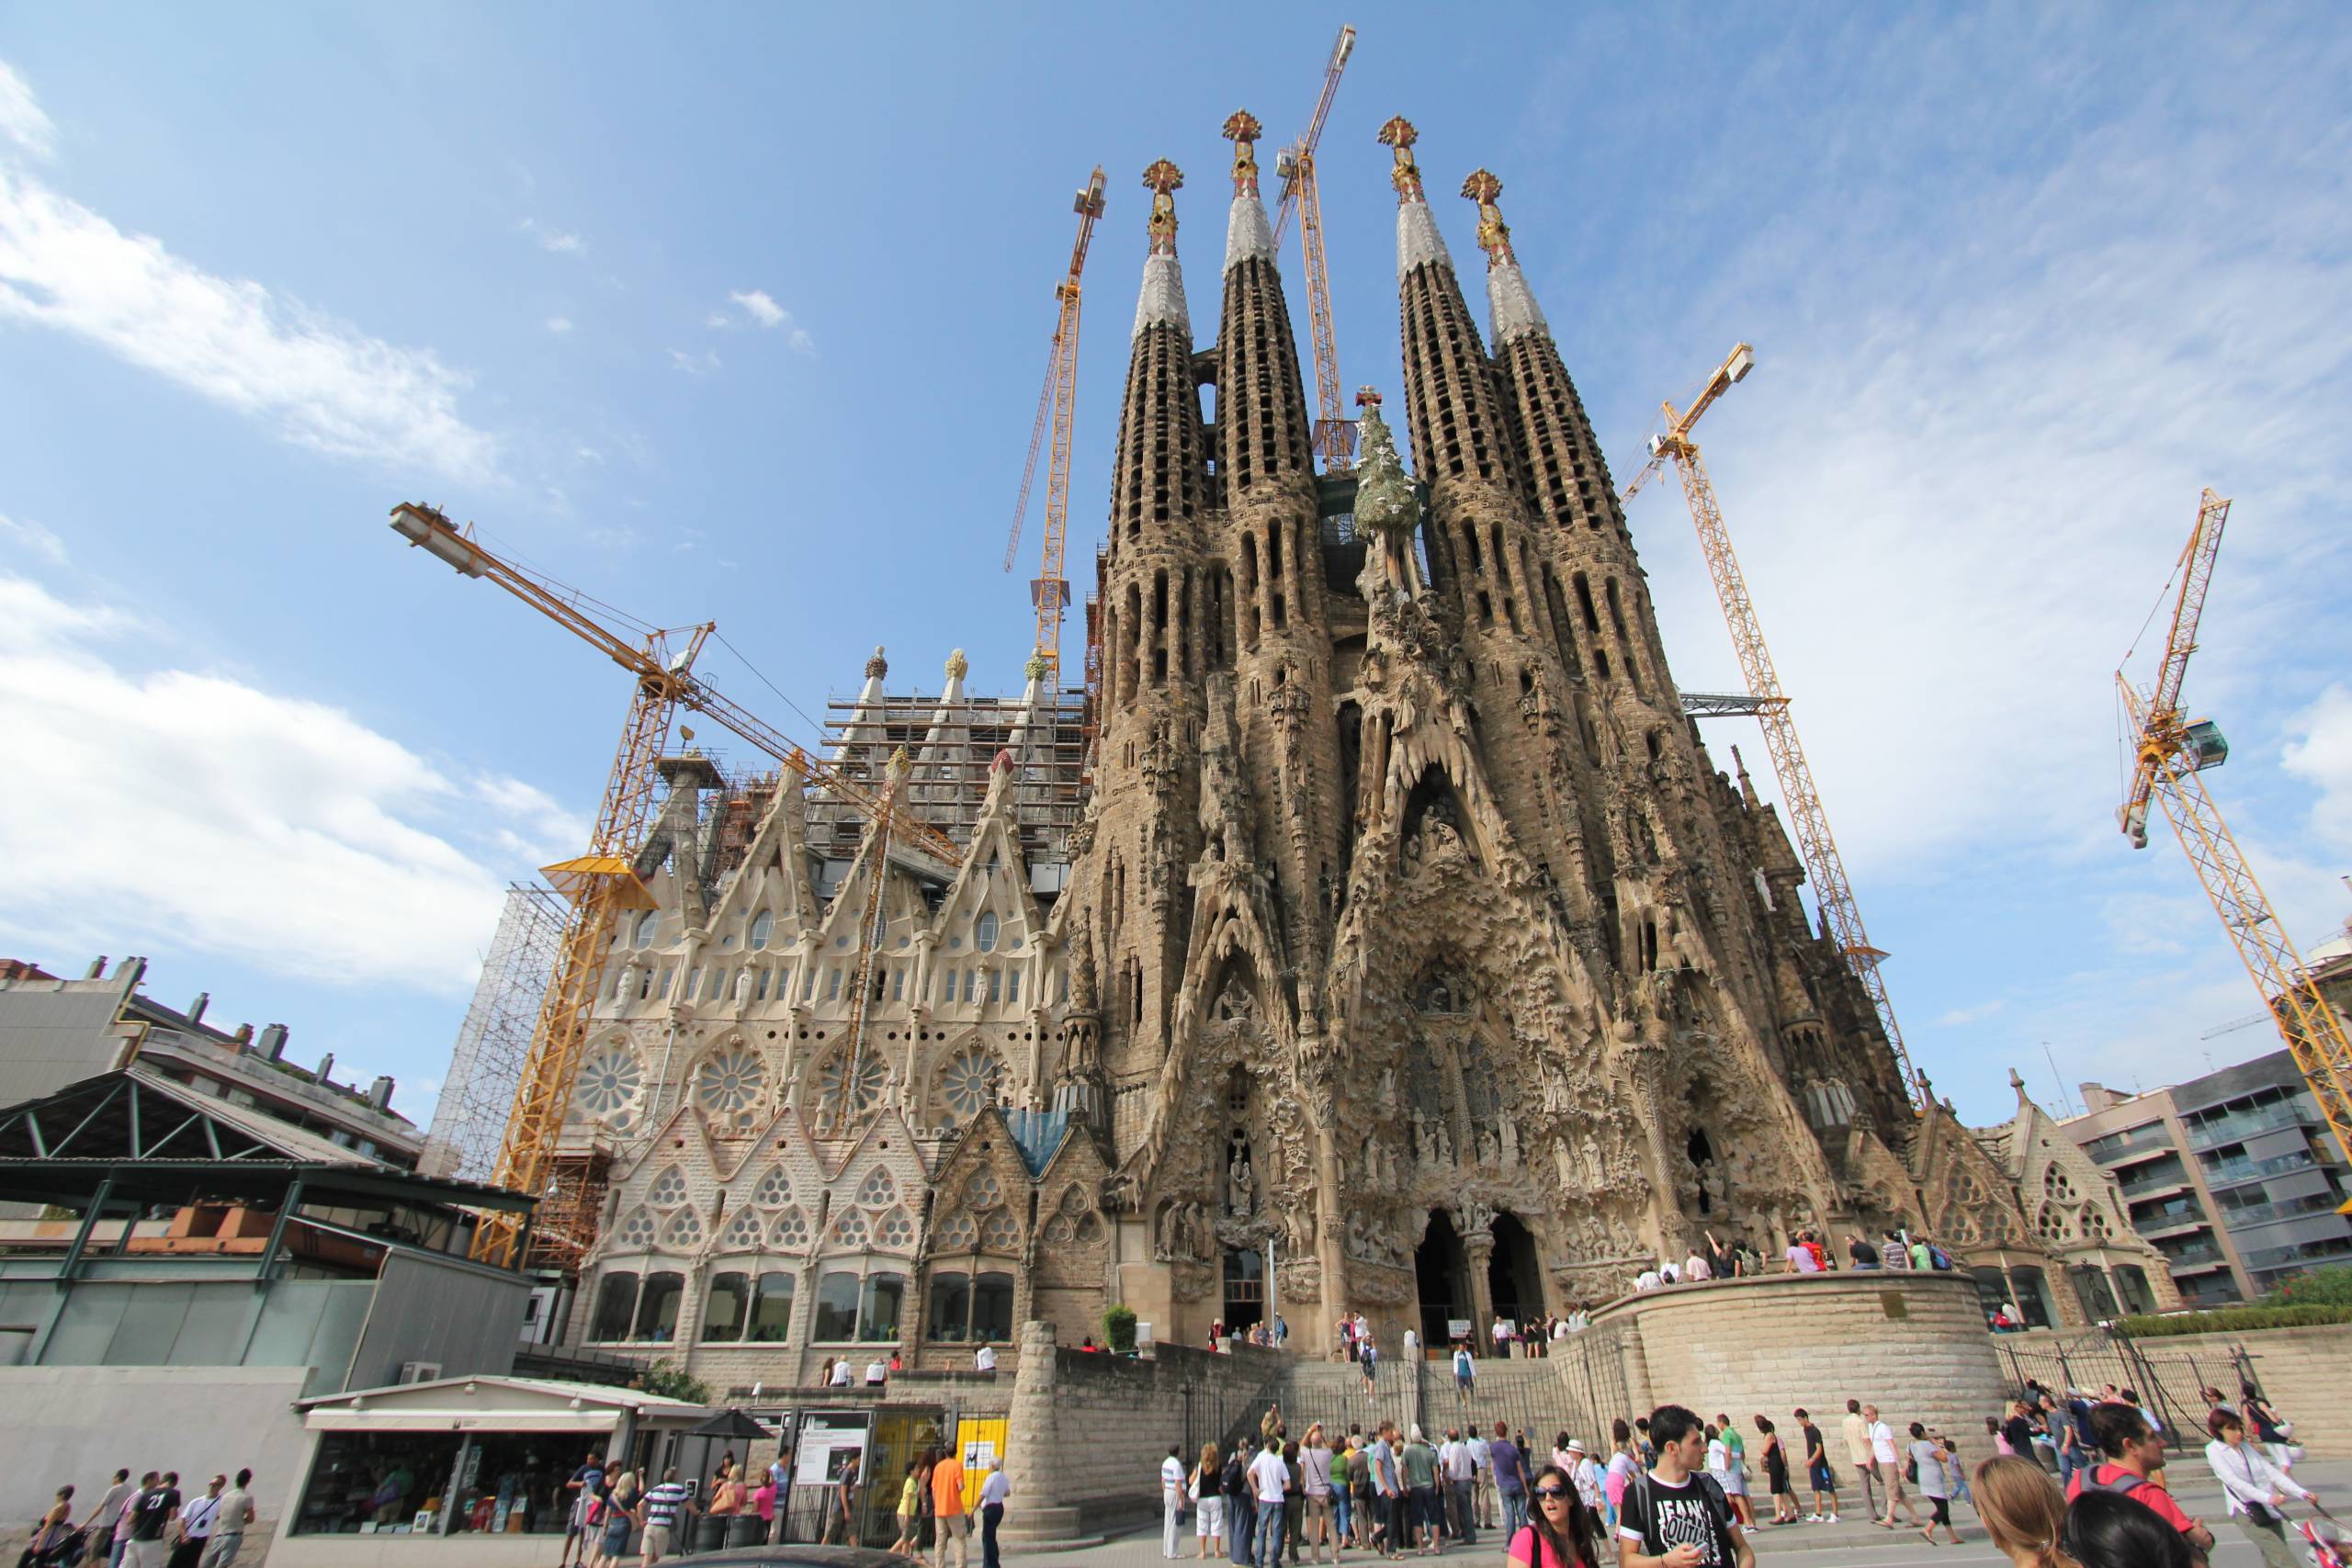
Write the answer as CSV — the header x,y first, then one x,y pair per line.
x,y
2167,1382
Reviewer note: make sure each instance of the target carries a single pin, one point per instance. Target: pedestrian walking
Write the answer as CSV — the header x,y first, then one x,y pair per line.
x,y
1315,1479
1888,1460
152,1513
1736,1471
1466,1369
1818,1475
993,1491
2130,1450
1171,1501
622,1514
1623,1467
53,1534
2255,1490
229,1521
955,1526
2270,1429
1674,1515
1461,1479
666,1509
1776,1473
98,1542
196,1525
582,1488
1856,1431
1368,1358
911,1490
1928,1456
1206,1487
1482,1484
1510,1481
1388,1524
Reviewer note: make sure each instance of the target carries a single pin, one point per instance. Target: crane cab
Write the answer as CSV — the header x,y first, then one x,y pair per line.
x,y
2203,746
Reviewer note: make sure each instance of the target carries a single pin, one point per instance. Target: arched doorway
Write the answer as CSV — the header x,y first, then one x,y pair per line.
x,y
1441,1271
1245,1287
1513,1283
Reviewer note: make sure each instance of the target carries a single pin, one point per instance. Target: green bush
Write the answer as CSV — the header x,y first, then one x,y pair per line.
x,y
2234,1320
667,1379
2322,1287
1119,1329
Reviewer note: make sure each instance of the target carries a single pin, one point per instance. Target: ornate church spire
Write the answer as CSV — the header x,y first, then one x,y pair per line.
x,y
1162,299
1417,241
1509,300
1247,233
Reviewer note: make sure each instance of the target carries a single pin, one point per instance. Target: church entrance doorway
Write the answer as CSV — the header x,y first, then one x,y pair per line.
x,y
1245,1287
1513,1283
1441,1270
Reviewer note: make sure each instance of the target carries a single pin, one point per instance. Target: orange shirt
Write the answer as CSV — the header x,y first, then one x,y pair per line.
x,y
948,1486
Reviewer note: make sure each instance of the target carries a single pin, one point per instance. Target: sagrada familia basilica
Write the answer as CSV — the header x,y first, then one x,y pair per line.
x,y
1379,935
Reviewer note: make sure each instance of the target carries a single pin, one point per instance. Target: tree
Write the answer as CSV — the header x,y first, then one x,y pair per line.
x,y
1119,1329
669,1379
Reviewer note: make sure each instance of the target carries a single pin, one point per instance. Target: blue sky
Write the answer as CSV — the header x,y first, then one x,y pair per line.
x,y
740,314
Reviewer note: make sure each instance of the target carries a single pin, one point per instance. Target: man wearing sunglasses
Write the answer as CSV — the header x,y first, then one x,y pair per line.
x,y
1675,1516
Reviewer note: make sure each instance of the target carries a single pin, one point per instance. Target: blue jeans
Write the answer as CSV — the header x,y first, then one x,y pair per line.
x,y
1342,1510
1514,1515
2066,1465
1270,1534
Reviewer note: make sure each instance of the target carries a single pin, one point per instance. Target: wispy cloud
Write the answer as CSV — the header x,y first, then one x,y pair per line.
x,y
28,538
557,241
21,119
2320,754
319,382
1977,1014
701,364
762,309
559,326
291,834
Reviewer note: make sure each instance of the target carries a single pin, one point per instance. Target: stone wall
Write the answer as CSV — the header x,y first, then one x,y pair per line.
x,y
1913,1344
1089,1430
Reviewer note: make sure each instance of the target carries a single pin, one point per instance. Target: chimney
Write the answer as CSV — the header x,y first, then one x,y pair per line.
x,y
244,1038
379,1093
2098,1097
97,969
273,1042
195,1009
326,1070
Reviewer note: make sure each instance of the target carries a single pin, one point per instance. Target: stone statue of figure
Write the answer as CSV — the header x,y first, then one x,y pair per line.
x,y
1236,1183
1421,1135
1593,1169
628,981
742,987
1440,1142
1508,1142
1164,1245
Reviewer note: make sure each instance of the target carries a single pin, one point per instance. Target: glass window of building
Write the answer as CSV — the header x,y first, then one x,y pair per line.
x,y
656,1309
772,1309
950,1306
984,931
723,1307
836,1310
763,927
878,1318
615,1307
993,1307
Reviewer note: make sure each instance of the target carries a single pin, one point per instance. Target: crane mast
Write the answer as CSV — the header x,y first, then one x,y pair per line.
x,y
1056,406
601,885
1335,434
2170,758
1824,867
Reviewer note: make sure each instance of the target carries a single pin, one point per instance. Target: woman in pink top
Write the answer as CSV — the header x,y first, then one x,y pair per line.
x,y
1559,1530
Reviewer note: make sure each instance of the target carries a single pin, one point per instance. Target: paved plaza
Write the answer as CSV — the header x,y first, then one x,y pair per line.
x,y
1852,1544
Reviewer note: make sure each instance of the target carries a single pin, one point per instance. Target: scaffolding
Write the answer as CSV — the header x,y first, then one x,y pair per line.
x,y
477,1093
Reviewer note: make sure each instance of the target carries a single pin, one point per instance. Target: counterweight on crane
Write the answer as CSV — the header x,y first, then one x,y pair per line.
x,y
2170,754
1057,405
601,885
1823,864
1335,434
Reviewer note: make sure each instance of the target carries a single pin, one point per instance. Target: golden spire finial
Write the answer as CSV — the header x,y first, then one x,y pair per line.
x,y
1241,129
1163,179
1399,134
1493,235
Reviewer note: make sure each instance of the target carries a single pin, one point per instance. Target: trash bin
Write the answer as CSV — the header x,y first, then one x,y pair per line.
x,y
710,1531
747,1529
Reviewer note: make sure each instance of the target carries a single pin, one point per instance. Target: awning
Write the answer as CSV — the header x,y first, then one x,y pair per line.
x,y
408,1418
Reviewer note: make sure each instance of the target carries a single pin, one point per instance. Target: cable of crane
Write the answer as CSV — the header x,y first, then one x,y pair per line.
x,y
771,686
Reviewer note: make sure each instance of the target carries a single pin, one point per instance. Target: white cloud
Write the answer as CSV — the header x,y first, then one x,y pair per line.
x,y
762,308
2321,754
554,240
558,324
320,382
233,820
21,119
30,538
1958,1017
701,364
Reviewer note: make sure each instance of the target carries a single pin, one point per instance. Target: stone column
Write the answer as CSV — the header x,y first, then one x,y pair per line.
x,y
1479,1248
1032,1455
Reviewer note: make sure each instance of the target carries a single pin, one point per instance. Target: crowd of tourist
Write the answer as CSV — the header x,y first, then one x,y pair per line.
x,y
151,1525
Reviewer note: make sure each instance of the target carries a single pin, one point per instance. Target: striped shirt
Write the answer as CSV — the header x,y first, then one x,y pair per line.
x,y
663,1503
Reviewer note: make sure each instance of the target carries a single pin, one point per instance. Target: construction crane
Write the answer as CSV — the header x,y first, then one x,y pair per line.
x,y
1058,403
1335,434
2170,754
1840,913
601,885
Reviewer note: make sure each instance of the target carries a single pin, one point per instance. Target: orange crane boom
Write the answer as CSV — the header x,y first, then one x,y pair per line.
x,y
2170,756
1058,403
600,884
1824,867
1335,434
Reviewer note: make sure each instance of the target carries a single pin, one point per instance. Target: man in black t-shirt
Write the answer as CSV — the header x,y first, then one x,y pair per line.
x,y
1818,1473
152,1513
1676,1515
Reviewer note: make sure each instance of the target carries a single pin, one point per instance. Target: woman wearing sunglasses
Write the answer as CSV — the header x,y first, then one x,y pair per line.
x,y
1559,1532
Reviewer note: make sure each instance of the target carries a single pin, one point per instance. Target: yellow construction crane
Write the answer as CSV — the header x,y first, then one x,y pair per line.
x,y
601,885
1335,434
1058,404
2171,751
1827,871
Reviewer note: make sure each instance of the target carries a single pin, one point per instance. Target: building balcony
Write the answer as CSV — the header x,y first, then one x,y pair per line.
x,y
2245,1124
2150,1185
2120,1148
2157,1227
2237,1172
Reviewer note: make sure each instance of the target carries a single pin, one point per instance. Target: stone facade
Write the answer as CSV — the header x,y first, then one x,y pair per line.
x,y
1404,951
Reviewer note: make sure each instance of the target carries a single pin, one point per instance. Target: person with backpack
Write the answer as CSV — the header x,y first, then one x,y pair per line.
x,y
1675,1516
2131,1449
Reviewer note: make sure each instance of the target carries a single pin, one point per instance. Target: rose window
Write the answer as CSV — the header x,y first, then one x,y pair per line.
x,y
2054,1182
850,1229
790,1232
2094,1223
968,1083
985,1192
958,1234
834,1074
774,1189
896,1231
637,1230
610,1081
743,1231
878,1190
669,1188
684,1229
729,1081
1000,1233
2052,1224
